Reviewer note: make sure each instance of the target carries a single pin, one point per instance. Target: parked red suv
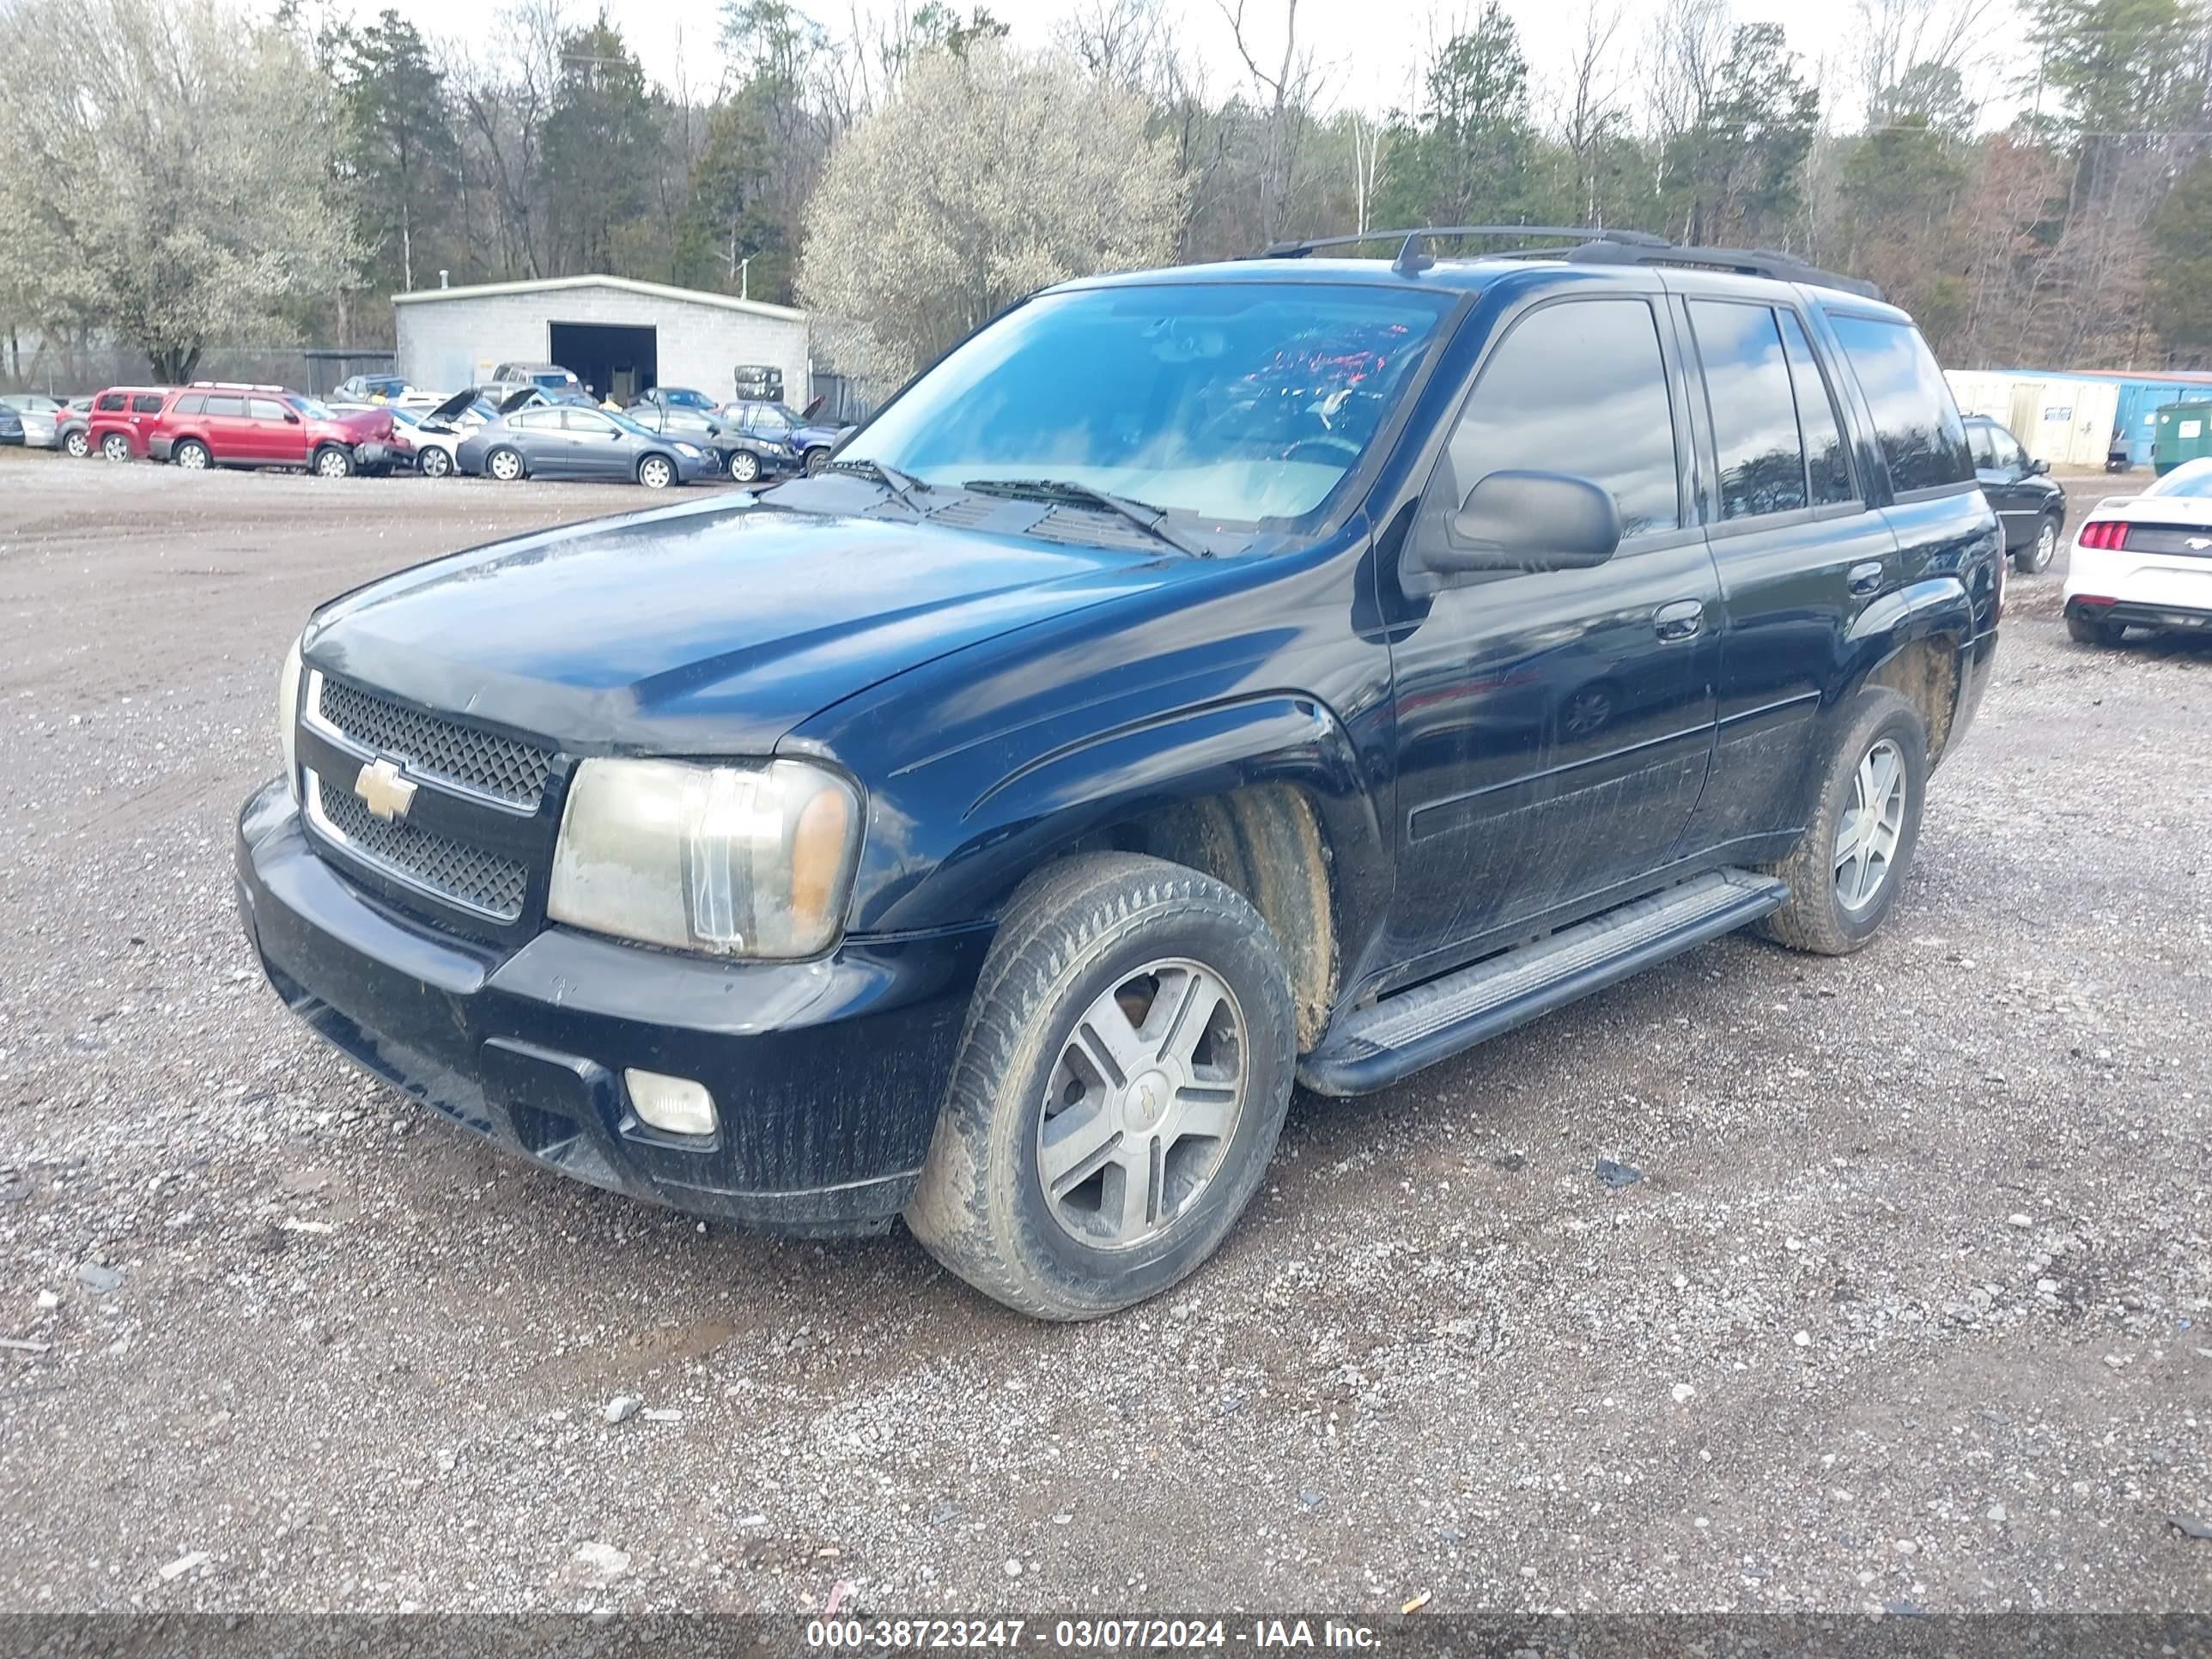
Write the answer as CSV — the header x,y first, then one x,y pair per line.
x,y
121,417
226,423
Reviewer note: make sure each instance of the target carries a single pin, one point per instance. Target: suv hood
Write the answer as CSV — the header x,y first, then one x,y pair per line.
x,y
708,628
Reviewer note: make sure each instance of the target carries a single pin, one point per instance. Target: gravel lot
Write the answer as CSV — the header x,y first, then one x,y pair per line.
x,y
1911,1308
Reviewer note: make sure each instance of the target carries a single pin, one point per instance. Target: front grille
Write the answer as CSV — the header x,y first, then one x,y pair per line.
x,y
467,876
503,769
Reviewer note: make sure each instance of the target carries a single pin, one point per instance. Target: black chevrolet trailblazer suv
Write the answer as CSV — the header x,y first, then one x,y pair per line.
x,y
1300,668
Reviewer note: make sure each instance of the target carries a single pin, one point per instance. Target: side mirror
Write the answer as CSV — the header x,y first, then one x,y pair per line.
x,y
1518,521
290,419
2037,467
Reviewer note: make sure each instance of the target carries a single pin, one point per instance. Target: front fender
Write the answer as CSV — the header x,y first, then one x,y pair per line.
x,y
1051,801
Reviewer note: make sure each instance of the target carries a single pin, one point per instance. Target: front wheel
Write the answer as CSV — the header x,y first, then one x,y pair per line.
x,y
745,465
1846,870
504,464
655,472
332,462
2035,558
435,463
1118,1091
115,447
815,460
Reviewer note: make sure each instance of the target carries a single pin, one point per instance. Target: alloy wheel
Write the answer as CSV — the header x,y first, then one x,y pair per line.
x,y
653,472
192,458
1867,836
2046,546
1143,1104
505,465
115,446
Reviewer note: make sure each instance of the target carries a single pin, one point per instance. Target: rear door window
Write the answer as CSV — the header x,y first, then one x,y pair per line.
x,y
146,402
226,409
1576,387
1827,459
1754,411
1921,436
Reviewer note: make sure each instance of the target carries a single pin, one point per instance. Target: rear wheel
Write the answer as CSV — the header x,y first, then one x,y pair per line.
x,y
115,447
332,462
1118,1091
1847,869
191,455
655,472
435,463
745,465
2035,557
2084,629
504,464
78,443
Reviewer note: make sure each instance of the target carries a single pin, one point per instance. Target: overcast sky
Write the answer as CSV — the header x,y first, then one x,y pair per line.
x,y
1369,48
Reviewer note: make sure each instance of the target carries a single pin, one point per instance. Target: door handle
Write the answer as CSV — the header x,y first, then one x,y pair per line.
x,y
1866,578
1679,619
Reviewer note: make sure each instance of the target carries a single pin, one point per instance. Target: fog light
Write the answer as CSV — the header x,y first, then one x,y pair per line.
x,y
674,1103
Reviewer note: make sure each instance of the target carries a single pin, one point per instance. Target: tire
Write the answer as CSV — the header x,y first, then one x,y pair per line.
x,y
2087,630
1080,938
817,459
745,465
1818,918
330,462
192,456
2035,558
435,463
79,444
115,447
656,472
504,464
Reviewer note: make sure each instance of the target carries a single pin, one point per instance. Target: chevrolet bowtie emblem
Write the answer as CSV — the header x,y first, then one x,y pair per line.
x,y
383,791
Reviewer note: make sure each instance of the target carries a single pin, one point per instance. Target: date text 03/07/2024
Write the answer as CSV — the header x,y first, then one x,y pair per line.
x,y
1087,1635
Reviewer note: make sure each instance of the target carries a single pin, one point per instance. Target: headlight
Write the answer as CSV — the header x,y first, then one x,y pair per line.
x,y
749,859
689,452
288,716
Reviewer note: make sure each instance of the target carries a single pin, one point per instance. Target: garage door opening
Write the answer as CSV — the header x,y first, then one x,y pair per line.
x,y
616,361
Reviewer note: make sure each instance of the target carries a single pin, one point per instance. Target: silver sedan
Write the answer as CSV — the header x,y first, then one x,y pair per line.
x,y
572,440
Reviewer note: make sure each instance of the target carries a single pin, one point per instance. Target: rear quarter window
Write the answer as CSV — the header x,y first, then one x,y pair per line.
x,y
147,402
1921,437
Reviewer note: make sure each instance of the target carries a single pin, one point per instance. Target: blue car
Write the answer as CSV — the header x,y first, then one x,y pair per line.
x,y
807,444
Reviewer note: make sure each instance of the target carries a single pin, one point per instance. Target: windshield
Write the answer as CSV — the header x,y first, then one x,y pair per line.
x,y
2191,478
310,409
1236,401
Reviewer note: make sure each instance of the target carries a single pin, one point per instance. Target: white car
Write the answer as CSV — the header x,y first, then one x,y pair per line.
x,y
2144,560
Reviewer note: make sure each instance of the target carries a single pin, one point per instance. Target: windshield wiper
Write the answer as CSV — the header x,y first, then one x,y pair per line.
x,y
1143,514
902,485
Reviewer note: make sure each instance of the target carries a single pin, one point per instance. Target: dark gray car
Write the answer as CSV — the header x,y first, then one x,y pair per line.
x,y
571,440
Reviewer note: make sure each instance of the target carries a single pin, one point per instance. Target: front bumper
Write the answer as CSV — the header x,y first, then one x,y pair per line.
x,y
827,1075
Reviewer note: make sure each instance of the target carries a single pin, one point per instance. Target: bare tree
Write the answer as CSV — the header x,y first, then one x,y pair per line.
x,y
1285,96
1594,100
984,177
1896,37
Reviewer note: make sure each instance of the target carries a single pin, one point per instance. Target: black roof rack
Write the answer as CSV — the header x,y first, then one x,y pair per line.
x,y
1747,261
1590,245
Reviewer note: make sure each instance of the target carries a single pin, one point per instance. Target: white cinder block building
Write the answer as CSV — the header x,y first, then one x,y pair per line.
x,y
618,335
